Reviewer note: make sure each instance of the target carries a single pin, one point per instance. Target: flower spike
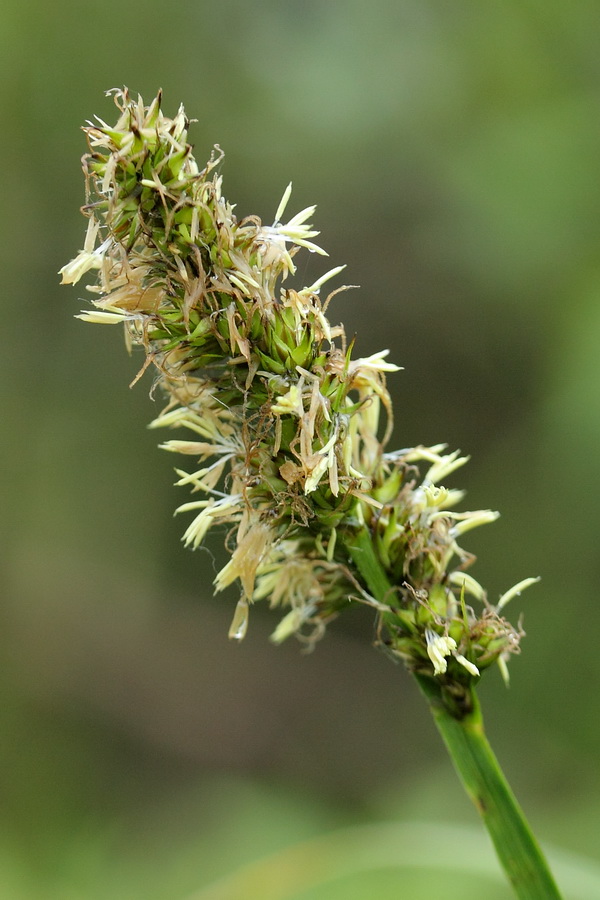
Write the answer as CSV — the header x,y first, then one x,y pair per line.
x,y
284,423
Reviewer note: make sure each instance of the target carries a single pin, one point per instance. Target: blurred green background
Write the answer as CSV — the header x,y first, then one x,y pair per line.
x,y
453,150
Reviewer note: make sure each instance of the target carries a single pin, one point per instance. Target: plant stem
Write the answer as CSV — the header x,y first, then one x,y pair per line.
x,y
486,785
477,767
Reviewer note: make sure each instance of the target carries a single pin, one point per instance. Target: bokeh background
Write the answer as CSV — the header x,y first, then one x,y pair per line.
x,y
453,150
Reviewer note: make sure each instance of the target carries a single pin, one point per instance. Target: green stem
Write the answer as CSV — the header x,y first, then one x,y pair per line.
x,y
483,779
473,758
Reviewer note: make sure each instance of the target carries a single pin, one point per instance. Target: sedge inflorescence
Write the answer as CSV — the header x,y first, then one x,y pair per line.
x,y
287,429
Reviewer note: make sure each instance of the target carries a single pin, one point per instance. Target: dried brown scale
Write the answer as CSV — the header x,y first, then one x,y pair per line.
x,y
285,423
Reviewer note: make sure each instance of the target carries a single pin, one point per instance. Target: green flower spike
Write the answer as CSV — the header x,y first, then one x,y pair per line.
x,y
284,424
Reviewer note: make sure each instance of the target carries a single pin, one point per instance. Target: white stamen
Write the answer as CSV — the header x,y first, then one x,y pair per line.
x,y
515,592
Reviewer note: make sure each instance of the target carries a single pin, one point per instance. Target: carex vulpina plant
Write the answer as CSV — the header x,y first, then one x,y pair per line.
x,y
287,435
